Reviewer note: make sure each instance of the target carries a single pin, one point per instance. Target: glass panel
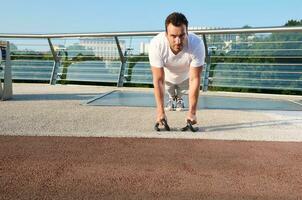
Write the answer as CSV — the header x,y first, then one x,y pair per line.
x,y
256,61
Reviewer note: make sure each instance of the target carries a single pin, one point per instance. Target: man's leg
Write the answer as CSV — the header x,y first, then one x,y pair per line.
x,y
181,90
171,90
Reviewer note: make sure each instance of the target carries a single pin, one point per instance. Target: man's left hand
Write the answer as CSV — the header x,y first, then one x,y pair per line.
x,y
192,118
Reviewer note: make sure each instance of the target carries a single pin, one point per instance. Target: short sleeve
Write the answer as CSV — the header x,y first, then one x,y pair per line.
x,y
198,54
155,57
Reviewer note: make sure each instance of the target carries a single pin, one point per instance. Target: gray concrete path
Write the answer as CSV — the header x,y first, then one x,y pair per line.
x,y
44,110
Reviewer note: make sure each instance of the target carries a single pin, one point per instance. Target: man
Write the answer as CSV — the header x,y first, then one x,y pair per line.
x,y
176,58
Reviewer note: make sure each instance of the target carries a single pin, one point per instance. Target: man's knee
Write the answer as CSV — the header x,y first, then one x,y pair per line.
x,y
183,88
170,89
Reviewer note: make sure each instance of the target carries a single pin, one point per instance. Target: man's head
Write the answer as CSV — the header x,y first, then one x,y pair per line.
x,y
176,31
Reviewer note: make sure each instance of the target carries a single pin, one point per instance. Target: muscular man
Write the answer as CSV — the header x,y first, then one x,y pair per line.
x,y
176,58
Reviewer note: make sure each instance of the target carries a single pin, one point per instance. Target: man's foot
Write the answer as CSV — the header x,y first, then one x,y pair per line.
x,y
180,105
170,105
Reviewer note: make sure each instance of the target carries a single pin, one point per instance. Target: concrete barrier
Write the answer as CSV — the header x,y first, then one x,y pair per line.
x,y
6,89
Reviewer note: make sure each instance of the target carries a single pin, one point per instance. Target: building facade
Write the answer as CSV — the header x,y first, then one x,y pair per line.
x,y
105,48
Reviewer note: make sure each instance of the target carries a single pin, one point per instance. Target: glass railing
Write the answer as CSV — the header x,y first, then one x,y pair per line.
x,y
31,69
238,59
257,61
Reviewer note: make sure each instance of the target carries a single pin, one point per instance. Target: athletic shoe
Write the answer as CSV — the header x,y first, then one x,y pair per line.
x,y
170,105
180,105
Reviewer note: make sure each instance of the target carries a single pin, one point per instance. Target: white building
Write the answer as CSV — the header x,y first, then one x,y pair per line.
x,y
144,48
103,47
223,37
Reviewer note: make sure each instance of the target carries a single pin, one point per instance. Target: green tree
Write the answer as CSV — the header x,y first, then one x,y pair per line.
x,y
293,23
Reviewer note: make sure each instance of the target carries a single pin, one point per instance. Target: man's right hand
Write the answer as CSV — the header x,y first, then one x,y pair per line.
x,y
161,122
160,117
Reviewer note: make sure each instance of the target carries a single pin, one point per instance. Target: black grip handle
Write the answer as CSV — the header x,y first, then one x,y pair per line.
x,y
165,123
190,127
156,127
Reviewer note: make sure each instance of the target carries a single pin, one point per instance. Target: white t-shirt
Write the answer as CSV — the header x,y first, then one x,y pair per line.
x,y
176,67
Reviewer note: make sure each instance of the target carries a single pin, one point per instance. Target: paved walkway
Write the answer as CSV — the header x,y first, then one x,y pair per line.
x,y
44,110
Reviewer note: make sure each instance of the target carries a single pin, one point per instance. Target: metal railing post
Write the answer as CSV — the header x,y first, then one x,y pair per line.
x,y
120,81
7,90
206,73
56,64
1,69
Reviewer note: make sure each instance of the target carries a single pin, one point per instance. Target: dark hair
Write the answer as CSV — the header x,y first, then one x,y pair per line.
x,y
177,19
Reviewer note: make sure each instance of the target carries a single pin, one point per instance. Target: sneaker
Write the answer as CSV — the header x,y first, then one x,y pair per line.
x,y
170,105
180,105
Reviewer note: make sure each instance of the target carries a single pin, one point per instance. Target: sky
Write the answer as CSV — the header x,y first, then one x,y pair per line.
x,y
66,16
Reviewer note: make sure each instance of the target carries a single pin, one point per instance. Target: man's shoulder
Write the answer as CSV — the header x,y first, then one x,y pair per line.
x,y
195,42
194,38
159,38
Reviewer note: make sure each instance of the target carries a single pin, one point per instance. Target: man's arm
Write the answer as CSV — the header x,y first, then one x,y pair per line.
x,y
159,91
194,87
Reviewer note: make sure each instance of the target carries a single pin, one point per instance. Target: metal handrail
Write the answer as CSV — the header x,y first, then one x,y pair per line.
x,y
152,33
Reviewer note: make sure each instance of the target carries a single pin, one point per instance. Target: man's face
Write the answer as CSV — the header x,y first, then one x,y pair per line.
x,y
177,37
